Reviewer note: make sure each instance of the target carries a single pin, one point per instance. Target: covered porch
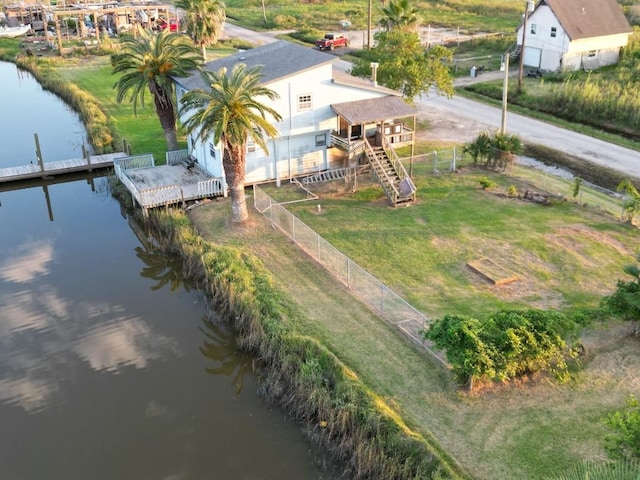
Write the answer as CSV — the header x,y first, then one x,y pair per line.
x,y
381,121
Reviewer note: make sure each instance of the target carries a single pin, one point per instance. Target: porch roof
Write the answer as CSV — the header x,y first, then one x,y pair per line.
x,y
373,110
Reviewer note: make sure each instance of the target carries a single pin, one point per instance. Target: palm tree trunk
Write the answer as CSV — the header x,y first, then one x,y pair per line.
x,y
233,161
166,114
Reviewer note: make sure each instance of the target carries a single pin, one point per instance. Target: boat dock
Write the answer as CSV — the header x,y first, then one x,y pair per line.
x,y
62,167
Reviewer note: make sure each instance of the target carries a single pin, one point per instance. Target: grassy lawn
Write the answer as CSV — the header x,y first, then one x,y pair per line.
x,y
565,256
142,130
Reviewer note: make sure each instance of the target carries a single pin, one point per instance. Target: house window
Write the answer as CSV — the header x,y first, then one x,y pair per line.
x,y
304,102
212,151
554,30
321,140
534,27
592,53
251,146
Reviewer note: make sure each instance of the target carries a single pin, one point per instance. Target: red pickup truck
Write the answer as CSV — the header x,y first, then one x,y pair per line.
x,y
331,41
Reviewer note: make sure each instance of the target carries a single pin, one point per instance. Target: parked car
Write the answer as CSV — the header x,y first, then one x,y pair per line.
x,y
173,24
331,41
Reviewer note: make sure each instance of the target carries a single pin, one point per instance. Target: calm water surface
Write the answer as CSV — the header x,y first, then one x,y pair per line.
x,y
109,368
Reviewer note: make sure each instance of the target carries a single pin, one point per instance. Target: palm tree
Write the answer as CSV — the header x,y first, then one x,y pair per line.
x,y
400,14
204,20
149,62
230,112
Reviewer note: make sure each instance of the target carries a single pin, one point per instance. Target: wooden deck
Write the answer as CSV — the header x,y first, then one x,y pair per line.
x,y
62,167
153,186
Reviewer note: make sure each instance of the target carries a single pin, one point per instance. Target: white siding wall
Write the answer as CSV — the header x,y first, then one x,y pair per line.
x,y
552,48
560,51
295,151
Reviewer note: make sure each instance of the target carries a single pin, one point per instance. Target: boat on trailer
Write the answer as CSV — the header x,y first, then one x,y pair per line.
x,y
13,32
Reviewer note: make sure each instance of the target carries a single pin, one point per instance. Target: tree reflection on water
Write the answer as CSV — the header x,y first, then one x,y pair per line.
x,y
163,268
220,346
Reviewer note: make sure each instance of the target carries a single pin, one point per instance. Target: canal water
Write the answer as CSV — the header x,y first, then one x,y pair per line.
x,y
109,366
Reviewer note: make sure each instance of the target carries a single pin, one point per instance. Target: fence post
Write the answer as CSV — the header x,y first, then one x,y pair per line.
x,y
435,162
453,164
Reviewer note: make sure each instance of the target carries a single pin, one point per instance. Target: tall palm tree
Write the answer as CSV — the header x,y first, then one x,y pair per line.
x,y
231,114
204,20
400,14
149,62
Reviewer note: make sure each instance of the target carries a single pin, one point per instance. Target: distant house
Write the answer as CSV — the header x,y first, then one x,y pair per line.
x,y
327,115
574,34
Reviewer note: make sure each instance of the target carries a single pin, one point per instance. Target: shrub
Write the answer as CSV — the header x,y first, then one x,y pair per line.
x,y
486,183
625,444
508,344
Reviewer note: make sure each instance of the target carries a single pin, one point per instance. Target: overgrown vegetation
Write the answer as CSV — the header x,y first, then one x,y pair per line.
x,y
506,345
469,15
625,443
300,374
625,300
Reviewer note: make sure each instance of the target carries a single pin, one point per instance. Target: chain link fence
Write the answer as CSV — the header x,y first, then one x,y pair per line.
x,y
364,286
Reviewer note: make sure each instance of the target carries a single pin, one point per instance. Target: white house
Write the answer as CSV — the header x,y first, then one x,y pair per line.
x,y
320,109
573,34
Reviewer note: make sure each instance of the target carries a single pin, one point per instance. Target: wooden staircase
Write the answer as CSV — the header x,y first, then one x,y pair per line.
x,y
391,175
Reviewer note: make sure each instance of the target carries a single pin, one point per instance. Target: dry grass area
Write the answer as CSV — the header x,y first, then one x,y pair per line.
x,y
520,430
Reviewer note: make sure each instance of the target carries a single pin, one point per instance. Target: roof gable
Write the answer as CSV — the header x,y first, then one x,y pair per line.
x,y
589,18
277,60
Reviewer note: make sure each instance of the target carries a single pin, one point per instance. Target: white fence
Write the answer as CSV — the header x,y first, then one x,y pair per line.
x,y
380,298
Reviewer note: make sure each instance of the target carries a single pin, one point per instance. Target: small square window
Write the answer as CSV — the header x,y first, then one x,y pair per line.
x,y
534,27
321,140
212,151
251,146
554,30
304,102
592,53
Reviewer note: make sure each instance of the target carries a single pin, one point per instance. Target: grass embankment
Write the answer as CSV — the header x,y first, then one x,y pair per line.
x,y
300,374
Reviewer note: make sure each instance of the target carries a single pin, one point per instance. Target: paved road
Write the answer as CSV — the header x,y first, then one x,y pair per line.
x,y
535,131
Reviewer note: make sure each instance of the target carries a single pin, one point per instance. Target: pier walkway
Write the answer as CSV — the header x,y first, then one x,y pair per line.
x,y
62,167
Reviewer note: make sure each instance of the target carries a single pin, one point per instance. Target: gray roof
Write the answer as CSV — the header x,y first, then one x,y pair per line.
x,y
373,110
589,18
278,60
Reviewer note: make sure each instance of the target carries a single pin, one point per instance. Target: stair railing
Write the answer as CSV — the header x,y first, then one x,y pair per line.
x,y
387,183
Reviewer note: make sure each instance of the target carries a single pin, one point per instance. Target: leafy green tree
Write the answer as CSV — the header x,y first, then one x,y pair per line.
x,y
400,14
204,21
632,204
405,65
230,112
625,444
148,63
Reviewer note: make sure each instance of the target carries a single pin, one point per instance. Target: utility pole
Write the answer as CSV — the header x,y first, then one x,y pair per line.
x,y
505,90
528,8
369,25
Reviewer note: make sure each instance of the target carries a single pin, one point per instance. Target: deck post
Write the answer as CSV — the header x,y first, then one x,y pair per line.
x,y
38,152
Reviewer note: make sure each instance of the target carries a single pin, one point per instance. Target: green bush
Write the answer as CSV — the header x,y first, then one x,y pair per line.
x,y
507,345
625,444
486,183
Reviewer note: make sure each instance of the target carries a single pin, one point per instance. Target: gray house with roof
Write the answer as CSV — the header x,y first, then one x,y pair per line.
x,y
574,34
326,114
